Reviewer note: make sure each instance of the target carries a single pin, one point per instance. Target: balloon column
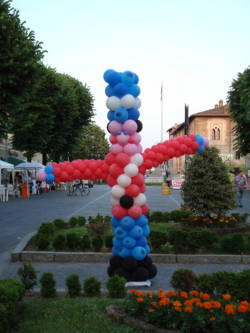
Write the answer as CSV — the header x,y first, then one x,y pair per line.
x,y
123,169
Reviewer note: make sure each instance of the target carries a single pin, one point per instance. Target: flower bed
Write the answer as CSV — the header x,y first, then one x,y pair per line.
x,y
194,311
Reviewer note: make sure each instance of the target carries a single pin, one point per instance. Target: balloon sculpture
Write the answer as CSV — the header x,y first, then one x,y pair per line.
x,y
123,169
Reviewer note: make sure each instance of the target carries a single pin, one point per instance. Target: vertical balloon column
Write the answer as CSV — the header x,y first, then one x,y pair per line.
x,y
126,179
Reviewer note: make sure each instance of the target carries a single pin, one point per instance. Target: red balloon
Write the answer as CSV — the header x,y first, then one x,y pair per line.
x,y
138,179
192,137
115,170
144,209
155,163
151,155
135,211
171,152
76,174
111,181
113,139
119,212
105,167
143,188
142,169
132,190
195,146
87,173
110,158
69,168
81,167
93,165
159,157
189,151
148,164
64,176
98,173
56,171
122,159
183,148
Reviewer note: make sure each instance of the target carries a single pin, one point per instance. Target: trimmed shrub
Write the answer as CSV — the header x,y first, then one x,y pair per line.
x,y
41,241
177,214
84,242
59,223
73,285
156,216
97,243
48,285
243,285
157,239
178,238
234,244
116,286
28,276
99,225
47,228
197,239
59,242
205,283
81,221
73,221
72,240
109,241
184,279
92,286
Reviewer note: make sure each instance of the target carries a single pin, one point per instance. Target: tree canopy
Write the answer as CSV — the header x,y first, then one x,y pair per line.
x,y
207,188
91,143
19,55
239,108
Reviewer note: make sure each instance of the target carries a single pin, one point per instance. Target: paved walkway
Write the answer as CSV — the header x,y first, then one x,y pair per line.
x,y
18,217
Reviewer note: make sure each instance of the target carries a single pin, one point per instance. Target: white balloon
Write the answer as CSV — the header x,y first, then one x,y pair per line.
x,y
140,200
124,180
128,101
137,159
117,191
137,103
113,103
114,201
131,169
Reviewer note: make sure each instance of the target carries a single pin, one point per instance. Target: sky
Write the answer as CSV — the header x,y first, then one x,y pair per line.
x,y
193,48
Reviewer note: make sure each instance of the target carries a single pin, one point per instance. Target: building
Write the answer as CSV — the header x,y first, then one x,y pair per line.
x,y
214,124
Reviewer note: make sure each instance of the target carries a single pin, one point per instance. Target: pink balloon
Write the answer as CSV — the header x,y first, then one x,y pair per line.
x,y
130,126
114,126
205,142
41,175
122,139
137,138
130,149
116,148
139,148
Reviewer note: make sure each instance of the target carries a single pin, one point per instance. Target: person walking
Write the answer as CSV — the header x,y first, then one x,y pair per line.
x,y
240,181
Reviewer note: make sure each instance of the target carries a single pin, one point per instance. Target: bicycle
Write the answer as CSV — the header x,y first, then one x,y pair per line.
x,y
78,188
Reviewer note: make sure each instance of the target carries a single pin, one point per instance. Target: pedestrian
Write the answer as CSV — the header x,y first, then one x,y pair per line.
x,y
240,181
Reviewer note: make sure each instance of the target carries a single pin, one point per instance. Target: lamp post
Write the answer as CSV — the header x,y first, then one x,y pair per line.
x,y
186,128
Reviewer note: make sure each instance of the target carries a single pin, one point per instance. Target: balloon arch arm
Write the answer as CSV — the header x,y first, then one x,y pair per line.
x,y
110,168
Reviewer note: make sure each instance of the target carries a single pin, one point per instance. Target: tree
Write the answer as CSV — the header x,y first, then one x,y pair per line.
x,y
91,143
239,108
19,56
207,188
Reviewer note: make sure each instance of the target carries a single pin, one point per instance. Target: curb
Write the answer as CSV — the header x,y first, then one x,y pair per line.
x,y
19,255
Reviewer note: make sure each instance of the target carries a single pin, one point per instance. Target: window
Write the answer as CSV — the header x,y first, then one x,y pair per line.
x,y
215,133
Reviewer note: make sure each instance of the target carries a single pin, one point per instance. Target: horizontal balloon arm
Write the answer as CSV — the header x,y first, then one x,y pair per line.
x,y
164,151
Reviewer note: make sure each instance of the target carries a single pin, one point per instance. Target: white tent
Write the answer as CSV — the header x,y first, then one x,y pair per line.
x,y
5,165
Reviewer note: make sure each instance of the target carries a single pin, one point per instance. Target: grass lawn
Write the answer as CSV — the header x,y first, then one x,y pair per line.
x,y
161,226
68,315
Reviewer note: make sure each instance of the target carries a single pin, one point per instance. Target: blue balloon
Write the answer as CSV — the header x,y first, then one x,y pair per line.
x,y
121,115
109,91
147,248
136,78
142,241
120,233
139,253
111,115
129,242
115,250
134,90
146,230
127,222
50,178
48,169
124,252
133,114
141,221
112,77
117,242
201,149
128,78
199,139
136,232
115,222
120,90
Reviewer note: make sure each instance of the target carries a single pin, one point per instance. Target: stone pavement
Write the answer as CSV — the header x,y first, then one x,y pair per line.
x,y
18,217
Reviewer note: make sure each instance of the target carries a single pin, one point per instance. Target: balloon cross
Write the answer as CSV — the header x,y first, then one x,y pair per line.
x,y
123,169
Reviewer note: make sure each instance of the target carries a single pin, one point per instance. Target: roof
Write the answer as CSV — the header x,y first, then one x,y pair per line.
x,y
218,111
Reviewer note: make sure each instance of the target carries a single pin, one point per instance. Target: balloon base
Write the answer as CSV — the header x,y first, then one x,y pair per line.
x,y
138,284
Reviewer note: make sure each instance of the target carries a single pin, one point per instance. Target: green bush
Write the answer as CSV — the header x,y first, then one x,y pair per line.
x,y
81,221
178,238
59,242
92,286
59,223
225,282
198,239
99,225
47,228
184,279
84,242
233,244
156,216
157,239
243,285
177,214
11,293
28,276
73,221
48,285
73,285
109,241
72,240
205,283
97,243
41,241
116,286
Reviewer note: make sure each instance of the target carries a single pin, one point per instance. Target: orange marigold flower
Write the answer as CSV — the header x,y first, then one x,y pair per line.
x,y
204,296
242,308
164,301
230,309
139,294
140,299
216,304
150,310
177,303
244,303
161,295
154,304
212,318
194,293
188,309
160,291
184,294
172,293
149,293
177,308
133,291
207,305
226,297
189,302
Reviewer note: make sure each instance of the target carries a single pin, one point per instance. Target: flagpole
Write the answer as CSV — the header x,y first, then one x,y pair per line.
x,y
162,112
